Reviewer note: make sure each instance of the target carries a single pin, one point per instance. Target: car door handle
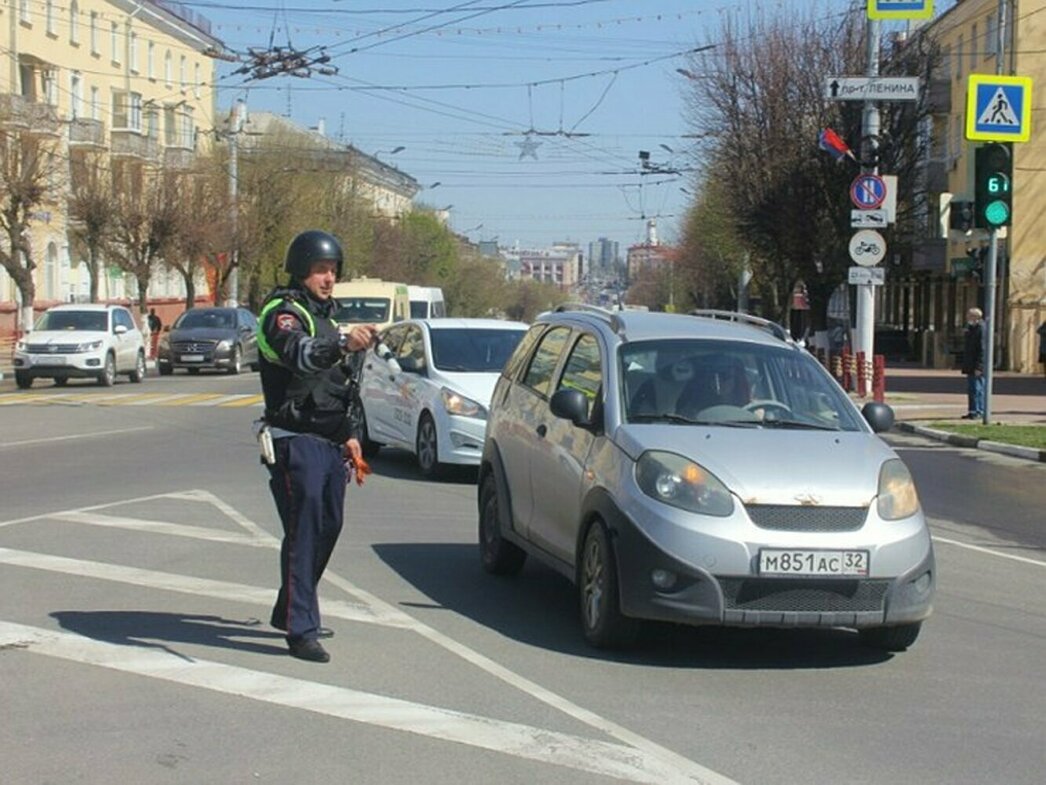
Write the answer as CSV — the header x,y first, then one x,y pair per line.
x,y
542,430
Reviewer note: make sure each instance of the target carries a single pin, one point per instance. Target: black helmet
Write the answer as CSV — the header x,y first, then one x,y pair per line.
x,y
310,247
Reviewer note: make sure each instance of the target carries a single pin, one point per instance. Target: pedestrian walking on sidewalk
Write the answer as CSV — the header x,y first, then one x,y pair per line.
x,y
1042,346
973,363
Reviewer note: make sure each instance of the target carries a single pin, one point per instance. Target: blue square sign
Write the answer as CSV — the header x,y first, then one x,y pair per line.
x,y
998,108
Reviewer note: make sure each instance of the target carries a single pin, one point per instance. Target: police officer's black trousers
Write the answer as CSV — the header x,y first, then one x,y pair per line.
x,y
308,484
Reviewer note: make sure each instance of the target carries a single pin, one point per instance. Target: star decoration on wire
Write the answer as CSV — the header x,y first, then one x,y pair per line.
x,y
528,147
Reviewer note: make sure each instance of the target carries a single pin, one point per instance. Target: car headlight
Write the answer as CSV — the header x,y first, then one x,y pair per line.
x,y
21,346
679,482
897,496
224,346
89,346
455,403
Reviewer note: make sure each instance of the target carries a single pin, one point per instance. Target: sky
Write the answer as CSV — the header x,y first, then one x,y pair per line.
x,y
523,118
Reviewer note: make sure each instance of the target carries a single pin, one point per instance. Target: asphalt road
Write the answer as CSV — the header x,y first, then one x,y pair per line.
x,y
138,563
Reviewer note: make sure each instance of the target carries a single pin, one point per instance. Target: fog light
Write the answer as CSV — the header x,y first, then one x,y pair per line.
x,y
94,362
663,579
922,583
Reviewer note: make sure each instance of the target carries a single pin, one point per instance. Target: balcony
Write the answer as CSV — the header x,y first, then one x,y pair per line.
x,y
178,157
939,96
39,119
84,132
129,143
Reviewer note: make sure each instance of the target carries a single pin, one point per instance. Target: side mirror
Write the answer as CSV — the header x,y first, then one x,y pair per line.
x,y
878,415
570,405
119,329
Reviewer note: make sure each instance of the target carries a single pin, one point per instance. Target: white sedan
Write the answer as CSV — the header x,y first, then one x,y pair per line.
x,y
433,399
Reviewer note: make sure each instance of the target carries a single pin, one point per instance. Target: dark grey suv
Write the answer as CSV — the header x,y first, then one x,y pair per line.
x,y
219,338
700,469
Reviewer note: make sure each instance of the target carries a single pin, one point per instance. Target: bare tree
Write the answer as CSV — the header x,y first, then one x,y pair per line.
x,y
29,168
202,224
92,205
145,224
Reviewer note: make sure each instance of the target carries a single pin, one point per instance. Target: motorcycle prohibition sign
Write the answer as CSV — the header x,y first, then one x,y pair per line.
x,y
867,247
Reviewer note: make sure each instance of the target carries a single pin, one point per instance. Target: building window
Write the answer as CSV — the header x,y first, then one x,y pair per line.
x,y
132,54
49,81
127,110
186,139
974,39
150,57
114,41
96,104
74,23
93,29
182,73
76,95
196,81
23,12
959,51
990,36
152,123
168,68
49,25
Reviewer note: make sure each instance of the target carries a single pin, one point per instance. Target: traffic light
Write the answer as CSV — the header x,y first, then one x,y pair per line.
x,y
960,215
993,173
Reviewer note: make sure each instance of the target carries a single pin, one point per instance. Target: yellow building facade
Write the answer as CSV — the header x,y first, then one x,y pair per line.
x,y
133,81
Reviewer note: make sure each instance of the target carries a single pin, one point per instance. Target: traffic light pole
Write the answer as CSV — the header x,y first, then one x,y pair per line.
x,y
989,322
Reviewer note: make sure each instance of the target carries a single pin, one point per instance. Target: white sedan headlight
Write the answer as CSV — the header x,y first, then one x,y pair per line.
x,y
456,403
897,496
680,482
21,346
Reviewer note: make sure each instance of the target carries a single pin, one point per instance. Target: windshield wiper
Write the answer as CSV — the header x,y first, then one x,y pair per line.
x,y
797,424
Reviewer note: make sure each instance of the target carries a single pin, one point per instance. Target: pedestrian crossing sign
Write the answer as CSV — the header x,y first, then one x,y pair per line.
x,y
998,108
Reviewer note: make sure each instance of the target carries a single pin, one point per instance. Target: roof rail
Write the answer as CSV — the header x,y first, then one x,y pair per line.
x,y
610,316
736,316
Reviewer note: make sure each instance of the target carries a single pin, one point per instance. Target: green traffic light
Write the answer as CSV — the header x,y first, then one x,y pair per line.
x,y
997,213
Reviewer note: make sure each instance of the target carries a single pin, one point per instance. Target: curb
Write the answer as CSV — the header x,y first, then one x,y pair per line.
x,y
1013,450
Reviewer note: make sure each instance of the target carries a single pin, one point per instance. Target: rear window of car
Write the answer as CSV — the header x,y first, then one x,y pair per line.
x,y
468,350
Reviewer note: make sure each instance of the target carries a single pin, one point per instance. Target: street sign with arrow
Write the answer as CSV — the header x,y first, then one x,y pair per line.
x,y
871,88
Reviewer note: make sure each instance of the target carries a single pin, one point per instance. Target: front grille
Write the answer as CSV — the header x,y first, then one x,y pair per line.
x,y
53,348
810,595
797,518
194,347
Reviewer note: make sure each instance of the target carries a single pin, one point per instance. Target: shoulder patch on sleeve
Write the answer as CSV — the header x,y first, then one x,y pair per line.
x,y
286,321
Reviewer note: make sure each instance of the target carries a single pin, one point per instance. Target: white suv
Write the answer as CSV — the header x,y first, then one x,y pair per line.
x,y
81,341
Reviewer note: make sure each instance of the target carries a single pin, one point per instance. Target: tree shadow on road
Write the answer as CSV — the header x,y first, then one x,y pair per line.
x,y
539,607
152,630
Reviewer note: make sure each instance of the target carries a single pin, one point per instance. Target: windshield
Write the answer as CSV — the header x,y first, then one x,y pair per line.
x,y
94,321
721,382
204,320
419,309
472,350
362,309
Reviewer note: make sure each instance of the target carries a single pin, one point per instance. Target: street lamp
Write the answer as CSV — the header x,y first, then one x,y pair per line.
x,y
393,151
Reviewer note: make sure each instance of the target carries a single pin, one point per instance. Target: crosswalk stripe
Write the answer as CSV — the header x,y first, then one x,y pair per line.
x,y
201,587
524,741
247,400
234,400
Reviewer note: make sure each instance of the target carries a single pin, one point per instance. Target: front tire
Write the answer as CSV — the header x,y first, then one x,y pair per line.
x,y
896,638
138,374
108,375
599,593
23,380
427,447
498,555
237,362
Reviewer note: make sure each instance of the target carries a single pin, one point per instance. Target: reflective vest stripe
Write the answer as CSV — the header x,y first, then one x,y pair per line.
x,y
263,344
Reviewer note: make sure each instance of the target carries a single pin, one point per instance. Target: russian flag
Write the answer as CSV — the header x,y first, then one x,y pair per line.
x,y
834,145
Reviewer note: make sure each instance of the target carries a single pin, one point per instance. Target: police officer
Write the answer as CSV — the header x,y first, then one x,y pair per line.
x,y
309,396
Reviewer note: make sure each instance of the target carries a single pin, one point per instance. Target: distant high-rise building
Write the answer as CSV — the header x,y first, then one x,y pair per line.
x,y
602,255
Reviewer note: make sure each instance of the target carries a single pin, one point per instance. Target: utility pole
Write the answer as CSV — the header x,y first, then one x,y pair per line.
x,y
239,109
993,253
865,332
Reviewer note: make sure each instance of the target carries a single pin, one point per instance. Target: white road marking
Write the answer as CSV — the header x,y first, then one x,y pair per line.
x,y
161,527
201,587
989,551
92,435
682,766
559,749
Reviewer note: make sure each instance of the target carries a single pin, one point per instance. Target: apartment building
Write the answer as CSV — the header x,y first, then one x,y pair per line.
x,y
131,80
947,274
560,264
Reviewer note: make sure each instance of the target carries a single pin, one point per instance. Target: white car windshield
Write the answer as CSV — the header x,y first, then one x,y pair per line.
x,y
93,321
730,383
471,350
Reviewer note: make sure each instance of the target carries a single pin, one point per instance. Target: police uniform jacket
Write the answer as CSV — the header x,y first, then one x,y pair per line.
x,y
306,386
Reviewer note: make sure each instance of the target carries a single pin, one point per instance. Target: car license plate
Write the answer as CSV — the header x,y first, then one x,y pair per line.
x,y
192,358
48,360
809,562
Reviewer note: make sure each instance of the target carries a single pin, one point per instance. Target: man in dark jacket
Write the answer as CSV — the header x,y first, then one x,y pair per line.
x,y
973,363
309,394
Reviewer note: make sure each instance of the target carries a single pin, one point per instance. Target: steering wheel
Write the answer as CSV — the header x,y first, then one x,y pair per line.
x,y
768,405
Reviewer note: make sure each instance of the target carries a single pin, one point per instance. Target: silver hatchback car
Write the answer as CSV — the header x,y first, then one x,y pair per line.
x,y
700,469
